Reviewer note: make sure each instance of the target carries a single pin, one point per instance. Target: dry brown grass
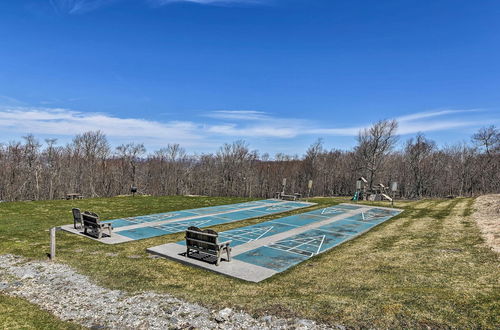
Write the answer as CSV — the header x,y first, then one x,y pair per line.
x,y
427,267
487,217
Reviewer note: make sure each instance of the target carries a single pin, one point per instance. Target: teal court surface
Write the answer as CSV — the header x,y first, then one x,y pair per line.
x,y
262,250
147,226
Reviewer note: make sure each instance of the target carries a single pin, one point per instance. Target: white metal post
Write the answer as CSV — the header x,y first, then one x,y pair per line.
x,y
53,243
394,188
309,187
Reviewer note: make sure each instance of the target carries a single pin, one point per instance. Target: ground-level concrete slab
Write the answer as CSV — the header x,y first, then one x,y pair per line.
x,y
153,225
235,268
114,239
265,249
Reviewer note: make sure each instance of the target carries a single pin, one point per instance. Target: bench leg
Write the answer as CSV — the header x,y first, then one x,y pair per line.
x,y
110,230
99,233
228,250
218,258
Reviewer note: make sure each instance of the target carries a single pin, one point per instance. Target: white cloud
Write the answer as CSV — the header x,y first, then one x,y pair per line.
x,y
63,122
433,126
238,115
84,6
5,99
264,125
430,114
78,6
209,2
202,135
254,131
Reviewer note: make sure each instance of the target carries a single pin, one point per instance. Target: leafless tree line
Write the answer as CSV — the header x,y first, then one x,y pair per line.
x,y
89,166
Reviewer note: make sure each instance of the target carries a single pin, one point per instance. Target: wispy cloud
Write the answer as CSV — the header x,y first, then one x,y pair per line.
x,y
261,124
223,126
238,115
210,2
78,6
430,114
63,122
8,100
439,120
267,131
84,6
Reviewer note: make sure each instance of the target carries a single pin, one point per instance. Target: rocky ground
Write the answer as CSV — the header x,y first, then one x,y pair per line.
x,y
73,297
487,216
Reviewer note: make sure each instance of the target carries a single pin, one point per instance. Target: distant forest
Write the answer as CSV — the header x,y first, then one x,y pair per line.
x,y
88,165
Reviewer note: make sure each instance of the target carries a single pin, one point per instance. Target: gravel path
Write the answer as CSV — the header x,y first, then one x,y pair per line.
x,y
70,296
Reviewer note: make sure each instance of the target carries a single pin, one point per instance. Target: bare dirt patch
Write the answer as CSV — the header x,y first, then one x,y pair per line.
x,y
487,216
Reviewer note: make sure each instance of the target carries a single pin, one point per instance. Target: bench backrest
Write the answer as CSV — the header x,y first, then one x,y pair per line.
x,y
90,219
203,239
77,215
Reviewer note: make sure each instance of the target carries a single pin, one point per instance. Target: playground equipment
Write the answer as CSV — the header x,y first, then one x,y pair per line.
x,y
361,187
375,193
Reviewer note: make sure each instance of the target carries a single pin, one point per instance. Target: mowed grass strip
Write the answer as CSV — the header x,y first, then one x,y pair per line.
x,y
426,267
16,313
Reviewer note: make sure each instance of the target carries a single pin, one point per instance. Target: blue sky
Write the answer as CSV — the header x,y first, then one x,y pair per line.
x,y
276,73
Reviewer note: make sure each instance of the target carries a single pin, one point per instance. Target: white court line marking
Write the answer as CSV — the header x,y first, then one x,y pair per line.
x,y
271,247
330,210
248,232
321,244
285,224
307,242
270,228
293,225
363,215
228,209
172,226
335,232
260,211
241,237
286,249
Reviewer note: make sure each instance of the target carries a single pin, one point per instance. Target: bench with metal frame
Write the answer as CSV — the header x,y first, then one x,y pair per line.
x,y
77,218
206,242
94,226
282,195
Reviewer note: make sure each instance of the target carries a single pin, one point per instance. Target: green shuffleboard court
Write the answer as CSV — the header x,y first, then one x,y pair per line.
x,y
262,250
153,225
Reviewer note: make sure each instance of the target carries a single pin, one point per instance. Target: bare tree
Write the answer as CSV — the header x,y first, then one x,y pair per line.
x,y
130,154
488,138
32,162
92,147
418,153
30,170
374,144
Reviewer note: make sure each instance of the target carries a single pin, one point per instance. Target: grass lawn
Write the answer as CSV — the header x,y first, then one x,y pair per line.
x,y
426,267
16,313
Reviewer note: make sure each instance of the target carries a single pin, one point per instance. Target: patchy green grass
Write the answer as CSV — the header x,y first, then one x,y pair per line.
x,y
426,267
16,313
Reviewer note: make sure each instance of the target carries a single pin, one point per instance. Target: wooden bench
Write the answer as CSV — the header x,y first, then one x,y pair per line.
x,y
282,195
77,218
207,242
92,223
74,196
